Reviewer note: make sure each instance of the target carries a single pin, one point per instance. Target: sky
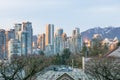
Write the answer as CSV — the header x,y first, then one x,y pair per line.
x,y
66,14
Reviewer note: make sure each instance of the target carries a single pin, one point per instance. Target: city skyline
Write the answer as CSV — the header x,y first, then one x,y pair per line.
x,y
62,13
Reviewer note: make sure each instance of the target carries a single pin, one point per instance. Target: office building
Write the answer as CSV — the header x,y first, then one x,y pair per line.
x,y
27,27
34,44
17,28
49,34
2,44
14,48
24,41
24,34
58,42
75,43
64,39
41,41
10,34
59,32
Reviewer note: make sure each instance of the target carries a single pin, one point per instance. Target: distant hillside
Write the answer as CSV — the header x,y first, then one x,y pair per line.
x,y
108,32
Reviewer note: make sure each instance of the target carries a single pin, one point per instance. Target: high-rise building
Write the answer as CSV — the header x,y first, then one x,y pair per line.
x,y
49,34
27,26
59,32
77,30
24,34
17,28
14,48
34,44
58,42
10,34
41,41
74,33
24,41
76,41
2,44
70,43
64,39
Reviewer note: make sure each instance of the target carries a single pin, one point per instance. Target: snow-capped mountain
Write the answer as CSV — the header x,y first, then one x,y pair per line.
x,y
107,32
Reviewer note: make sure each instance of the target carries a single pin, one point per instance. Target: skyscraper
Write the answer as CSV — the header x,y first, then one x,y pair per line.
x,y
27,26
24,41
14,48
17,28
2,44
24,34
58,43
76,41
49,34
34,44
64,39
59,32
10,34
41,41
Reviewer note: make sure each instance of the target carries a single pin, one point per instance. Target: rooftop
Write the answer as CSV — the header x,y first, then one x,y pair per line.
x,y
75,73
115,53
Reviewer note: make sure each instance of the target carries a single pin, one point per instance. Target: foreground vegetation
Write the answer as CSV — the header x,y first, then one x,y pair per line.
x,y
103,69
29,67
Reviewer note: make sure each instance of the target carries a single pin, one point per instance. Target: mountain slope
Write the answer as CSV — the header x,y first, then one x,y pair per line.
x,y
108,32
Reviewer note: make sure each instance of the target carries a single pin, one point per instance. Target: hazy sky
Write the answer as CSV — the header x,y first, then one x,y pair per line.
x,y
65,14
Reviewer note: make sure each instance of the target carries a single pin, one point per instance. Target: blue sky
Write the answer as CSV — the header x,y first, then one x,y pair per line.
x,y
66,14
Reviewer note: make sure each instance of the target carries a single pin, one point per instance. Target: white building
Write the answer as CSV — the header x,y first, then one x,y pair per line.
x,y
14,48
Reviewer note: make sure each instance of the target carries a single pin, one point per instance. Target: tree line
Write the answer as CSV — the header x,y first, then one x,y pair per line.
x,y
29,67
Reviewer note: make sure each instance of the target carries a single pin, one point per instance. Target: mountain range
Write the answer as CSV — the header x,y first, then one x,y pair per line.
x,y
107,32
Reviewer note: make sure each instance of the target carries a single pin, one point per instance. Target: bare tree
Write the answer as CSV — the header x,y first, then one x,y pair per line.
x,y
23,67
103,69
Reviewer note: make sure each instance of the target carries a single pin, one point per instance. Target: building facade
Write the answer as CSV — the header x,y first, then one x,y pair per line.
x,y
24,34
58,41
27,26
49,34
24,41
17,28
41,42
34,44
14,48
10,34
75,42
3,54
